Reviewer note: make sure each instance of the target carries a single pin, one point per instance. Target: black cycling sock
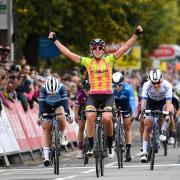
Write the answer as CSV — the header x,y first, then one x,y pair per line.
x,y
128,146
109,141
90,140
172,133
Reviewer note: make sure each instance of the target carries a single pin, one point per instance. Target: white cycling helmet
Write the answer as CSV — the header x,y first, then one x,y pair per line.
x,y
177,89
155,76
51,85
118,78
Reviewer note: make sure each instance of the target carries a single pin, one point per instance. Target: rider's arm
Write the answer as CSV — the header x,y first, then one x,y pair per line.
x,y
64,99
144,96
74,57
128,44
42,96
132,99
169,105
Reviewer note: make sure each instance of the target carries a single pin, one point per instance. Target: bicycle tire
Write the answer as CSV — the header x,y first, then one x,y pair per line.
x,y
119,143
103,149
56,150
97,150
165,146
85,150
153,148
178,133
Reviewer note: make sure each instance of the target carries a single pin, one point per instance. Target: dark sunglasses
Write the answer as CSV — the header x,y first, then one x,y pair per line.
x,y
97,48
156,83
115,85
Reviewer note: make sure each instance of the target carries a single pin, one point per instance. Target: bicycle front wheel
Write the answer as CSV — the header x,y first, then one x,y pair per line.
x,y
153,147
56,150
98,151
119,144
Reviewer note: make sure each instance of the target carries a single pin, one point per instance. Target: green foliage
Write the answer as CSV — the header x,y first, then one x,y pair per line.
x,y
78,21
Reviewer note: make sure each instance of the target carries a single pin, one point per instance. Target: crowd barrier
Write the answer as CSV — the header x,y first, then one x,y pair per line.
x,y
19,132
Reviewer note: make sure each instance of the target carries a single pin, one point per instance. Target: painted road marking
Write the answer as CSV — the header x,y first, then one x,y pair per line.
x,y
69,177
4,174
110,165
85,172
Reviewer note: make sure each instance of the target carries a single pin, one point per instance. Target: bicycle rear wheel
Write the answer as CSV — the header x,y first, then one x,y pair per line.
x,y
119,145
153,147
98,151
56,150
165,146
85,150
178,133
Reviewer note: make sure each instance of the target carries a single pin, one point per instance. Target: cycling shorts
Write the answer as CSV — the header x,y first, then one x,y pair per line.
x,y
154,105
100,100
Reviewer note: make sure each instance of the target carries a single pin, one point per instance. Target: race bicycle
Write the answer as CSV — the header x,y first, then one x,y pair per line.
x,y
55,137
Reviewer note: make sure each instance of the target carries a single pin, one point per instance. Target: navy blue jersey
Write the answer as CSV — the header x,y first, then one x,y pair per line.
x,y
49,102
125,98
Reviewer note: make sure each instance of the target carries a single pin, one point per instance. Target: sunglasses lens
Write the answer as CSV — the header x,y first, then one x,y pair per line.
x,y
97,48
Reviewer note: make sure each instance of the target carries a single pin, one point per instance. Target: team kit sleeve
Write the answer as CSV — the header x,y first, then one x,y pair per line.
x,y
144,91
42,100
85,61
110,59
132,99
64,99
169,93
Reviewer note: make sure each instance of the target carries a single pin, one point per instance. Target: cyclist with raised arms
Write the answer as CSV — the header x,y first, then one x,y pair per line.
x,y
53,98
156,95
99,68
124,99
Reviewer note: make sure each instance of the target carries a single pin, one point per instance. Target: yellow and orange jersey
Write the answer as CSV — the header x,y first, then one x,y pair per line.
x,y
100,74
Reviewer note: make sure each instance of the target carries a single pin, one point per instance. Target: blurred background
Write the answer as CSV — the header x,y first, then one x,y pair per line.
x,y
27,56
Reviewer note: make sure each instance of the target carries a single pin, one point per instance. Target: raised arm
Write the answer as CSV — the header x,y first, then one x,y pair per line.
x,y
128,44
74,57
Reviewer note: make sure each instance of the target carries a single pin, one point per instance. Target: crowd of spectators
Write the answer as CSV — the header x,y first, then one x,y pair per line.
x,y
21,82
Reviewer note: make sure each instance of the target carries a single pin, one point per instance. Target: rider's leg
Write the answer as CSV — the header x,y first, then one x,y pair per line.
x,y
80,138
46,140
108,125
146,135
147,129
128,137
90,124
62,124
141,129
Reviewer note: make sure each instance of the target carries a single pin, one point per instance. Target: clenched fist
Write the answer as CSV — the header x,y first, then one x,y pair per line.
x,y
139,31
52,36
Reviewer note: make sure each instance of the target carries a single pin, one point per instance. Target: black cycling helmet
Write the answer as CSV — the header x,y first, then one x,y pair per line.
x,y
97,42
86,85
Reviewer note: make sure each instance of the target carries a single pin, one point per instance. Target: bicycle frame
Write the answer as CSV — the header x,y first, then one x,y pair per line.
x,y
155,126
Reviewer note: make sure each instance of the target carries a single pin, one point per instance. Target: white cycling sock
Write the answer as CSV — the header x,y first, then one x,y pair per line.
x,y
46,152
145,145
61,133
165,126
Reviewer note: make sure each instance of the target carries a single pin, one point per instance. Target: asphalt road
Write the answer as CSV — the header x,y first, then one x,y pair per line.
x,y
166,168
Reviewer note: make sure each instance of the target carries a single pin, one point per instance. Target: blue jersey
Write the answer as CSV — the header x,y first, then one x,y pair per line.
x,y
49,102
125,98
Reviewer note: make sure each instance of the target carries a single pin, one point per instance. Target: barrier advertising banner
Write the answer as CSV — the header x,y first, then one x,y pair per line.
x,y
27,126
6,135
1,148
18,129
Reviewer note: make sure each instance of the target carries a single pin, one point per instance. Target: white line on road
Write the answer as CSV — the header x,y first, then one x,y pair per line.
x,y
3,170
85,172
69,177
4,174
110,165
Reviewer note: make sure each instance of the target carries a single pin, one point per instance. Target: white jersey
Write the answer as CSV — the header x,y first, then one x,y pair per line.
x,y
164,92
